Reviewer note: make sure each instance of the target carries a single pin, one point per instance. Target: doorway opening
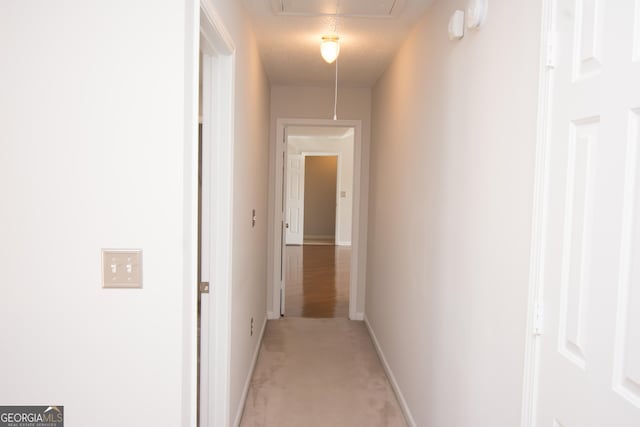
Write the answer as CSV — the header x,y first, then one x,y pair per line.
x,y
316,241
318,219
321,201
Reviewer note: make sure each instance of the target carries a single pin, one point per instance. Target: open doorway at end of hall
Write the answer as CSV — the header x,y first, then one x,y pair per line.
x,y
320,204
318,212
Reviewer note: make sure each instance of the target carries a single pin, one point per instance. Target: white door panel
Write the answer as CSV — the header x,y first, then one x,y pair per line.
x,y
590,352
294,215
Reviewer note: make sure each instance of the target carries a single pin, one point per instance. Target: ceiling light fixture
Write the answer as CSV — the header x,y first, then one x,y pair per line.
x,y
330,48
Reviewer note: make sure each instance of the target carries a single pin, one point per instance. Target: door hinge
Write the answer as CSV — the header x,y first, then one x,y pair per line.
x,y
204,287
538,319
551,61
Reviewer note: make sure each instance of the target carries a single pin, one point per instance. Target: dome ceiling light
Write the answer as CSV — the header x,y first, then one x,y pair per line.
x,y
330,48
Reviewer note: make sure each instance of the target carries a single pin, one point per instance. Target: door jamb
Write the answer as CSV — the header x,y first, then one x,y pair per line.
x,y
190,227
218,145
539,216
358,239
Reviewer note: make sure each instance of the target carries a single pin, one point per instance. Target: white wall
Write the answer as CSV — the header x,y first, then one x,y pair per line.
x,y
301,102
93,155
92,145
344,147
452,155
320,190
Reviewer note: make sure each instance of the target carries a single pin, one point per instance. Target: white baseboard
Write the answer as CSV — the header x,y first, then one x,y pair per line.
x,y
392,378
272,316
343,243
247,383
356,316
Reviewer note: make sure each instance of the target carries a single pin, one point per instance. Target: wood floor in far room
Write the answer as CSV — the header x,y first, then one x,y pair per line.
x,y
317,281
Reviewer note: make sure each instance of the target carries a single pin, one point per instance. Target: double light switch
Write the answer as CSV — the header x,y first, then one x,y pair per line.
x,y
122,268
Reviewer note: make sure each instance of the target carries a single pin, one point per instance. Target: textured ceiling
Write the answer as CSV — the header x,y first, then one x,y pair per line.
x,y
289,43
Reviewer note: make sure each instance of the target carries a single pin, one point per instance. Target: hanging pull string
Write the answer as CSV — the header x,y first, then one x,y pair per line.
x,y
335,95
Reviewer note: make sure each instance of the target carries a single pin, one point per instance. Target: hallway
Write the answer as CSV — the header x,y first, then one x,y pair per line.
x,y
319,372
494,223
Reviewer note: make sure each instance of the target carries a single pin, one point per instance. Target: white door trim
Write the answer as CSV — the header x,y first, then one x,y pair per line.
x,y
539,216
338,169
276,214
190,221
218,145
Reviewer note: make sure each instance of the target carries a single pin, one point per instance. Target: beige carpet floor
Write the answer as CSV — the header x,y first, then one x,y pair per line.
x,y
319,372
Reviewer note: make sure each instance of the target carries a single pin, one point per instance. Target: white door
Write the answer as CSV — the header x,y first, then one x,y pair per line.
x,y
589,372
294,219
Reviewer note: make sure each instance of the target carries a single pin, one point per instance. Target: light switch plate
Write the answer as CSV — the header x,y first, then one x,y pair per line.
x,y
121,268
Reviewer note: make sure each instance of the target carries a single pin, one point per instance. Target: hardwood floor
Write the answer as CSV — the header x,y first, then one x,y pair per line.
x,y
317,281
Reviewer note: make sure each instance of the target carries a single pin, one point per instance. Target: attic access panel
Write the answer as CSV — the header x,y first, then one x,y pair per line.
x,y
355,8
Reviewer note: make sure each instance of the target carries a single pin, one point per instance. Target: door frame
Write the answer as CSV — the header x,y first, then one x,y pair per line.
x,y
535,306
306,154
190,187
358,239
218,71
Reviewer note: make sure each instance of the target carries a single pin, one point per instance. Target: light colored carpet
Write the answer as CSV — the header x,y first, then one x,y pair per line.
x,y
319,372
